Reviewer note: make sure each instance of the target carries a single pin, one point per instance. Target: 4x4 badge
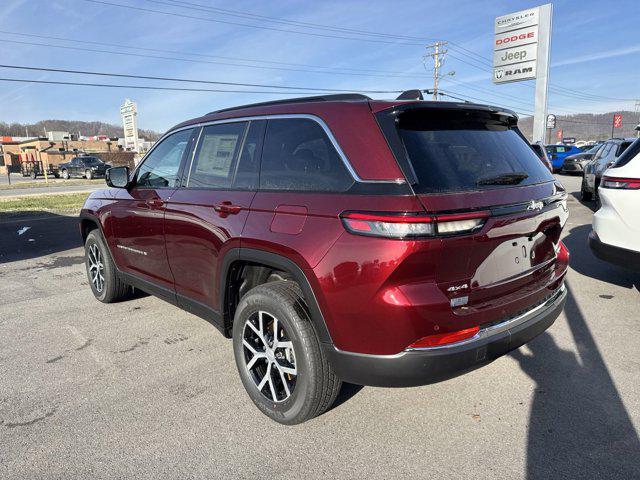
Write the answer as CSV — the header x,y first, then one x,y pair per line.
x,y
533,205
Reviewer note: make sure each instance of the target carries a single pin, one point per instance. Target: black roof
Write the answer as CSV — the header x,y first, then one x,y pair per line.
x,y
320,98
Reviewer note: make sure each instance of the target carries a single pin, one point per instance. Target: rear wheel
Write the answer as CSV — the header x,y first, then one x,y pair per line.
x,y
88,175
585,195
278,355
104,280
65,174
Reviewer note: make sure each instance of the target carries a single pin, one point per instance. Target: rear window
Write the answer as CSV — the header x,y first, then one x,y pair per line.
x,y
454,151
629,153
622,147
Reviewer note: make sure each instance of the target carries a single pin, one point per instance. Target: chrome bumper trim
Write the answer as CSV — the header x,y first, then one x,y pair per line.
x,y
500,327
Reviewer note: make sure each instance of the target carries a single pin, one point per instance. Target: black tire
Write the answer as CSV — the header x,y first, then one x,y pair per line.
x,y
112,288
585,196
65,174
316,385
88,175
34,175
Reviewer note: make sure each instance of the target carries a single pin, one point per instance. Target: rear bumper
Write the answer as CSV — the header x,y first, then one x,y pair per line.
x,y
572,167
430,365
618,256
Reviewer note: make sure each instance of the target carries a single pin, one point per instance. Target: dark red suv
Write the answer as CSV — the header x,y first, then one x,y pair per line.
x,y
339,238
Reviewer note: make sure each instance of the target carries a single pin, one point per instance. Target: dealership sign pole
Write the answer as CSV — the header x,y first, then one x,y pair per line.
x,y
521,51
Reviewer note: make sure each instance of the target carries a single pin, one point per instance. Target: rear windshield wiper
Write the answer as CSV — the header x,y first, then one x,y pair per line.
x,y
503,179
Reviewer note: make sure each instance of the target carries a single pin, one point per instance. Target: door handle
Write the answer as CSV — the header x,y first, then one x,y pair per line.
x,y
155,203
227,208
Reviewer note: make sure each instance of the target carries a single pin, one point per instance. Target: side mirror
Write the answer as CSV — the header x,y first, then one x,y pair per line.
x,y
117,177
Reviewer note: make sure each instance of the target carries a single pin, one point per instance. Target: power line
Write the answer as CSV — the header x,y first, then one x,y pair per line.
x,y
202,55
191,60
145,87
188,80
237,24
253,16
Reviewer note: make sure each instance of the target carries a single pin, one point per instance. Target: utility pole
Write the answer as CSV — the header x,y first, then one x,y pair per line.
x,y
438,54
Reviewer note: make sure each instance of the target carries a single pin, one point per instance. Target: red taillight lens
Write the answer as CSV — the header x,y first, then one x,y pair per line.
x,y
445,338
412,225
620,183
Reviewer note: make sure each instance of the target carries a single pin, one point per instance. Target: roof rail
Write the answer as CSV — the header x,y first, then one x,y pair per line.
x,y
320,98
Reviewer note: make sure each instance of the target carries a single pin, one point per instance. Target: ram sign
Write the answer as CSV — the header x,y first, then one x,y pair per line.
x,y
515,46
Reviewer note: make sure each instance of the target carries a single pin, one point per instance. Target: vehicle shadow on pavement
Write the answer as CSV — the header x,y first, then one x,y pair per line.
x,y
578,426
591,205
585,263
29,235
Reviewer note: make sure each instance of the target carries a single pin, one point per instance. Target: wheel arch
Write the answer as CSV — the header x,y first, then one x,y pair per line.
x,y
236,258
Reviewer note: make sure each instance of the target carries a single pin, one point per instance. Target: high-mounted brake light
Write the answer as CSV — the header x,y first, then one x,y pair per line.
x,y
412,225
442,339
620,183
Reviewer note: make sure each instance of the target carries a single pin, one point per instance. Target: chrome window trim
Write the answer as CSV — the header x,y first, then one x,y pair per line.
x,y
307,116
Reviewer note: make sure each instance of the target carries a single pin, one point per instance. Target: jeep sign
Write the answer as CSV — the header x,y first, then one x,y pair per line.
x,y
525,53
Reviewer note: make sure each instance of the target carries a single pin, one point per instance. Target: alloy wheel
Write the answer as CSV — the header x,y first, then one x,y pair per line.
x,y
269,356
96,267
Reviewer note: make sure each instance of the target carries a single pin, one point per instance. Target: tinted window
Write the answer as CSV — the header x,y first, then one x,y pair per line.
x,y
160,168
538,150
247,171
454,150
297,155
622,147
606,150
631,152
216,154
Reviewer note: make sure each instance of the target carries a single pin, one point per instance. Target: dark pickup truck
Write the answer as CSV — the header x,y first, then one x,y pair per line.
x,y
88,167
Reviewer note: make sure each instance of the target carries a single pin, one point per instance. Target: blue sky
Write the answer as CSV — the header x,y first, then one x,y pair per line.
x,y
595,49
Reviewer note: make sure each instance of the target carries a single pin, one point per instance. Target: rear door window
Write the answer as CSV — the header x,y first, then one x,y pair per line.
x,y
299,156
631,152
216,154
453,151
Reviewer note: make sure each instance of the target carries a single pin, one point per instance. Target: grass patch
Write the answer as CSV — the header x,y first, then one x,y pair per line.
x,y
52,182
44,203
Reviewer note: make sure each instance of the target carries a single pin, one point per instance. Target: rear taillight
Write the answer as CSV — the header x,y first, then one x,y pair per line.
x,y
443,339
412,225
620,183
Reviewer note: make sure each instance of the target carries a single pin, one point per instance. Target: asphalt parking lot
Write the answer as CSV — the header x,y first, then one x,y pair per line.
x,y
142,389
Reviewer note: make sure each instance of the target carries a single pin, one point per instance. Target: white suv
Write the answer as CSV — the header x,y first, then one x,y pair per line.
x,y
615,236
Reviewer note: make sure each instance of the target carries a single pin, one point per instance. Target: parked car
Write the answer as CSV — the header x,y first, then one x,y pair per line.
x,y
88,167
34,169
575,163
540,150
616,225
557,154
339,238
604,158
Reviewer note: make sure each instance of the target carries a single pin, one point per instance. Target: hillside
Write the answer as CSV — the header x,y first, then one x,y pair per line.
x,y
72,126
586,126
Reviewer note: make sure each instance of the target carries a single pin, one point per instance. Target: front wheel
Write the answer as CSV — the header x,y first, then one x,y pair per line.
x,y
104,280
278,355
